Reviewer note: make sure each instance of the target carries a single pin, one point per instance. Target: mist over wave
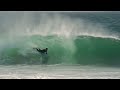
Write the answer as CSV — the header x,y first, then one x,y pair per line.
x,y
69,39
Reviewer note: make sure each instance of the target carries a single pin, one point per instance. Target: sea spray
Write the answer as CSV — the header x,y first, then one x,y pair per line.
x,y
70,40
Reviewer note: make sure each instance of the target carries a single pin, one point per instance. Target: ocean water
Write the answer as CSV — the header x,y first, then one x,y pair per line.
x,y
80,45
58,72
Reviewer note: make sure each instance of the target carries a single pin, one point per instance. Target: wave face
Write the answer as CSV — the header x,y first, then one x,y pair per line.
x,y
70,39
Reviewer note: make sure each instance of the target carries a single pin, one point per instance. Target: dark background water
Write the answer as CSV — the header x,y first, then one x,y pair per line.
x,y
111,20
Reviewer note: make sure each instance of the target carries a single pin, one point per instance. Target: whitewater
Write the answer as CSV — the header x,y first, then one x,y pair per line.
x,y
80,45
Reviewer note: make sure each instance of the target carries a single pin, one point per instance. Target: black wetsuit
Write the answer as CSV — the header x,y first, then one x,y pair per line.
x,y
44,55
42,51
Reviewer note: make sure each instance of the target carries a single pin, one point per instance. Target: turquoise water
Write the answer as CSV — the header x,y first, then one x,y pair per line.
x,y
87,38
80,44
81,50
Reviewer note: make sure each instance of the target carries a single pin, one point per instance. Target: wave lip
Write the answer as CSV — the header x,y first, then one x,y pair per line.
x,y
70,40
83,50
